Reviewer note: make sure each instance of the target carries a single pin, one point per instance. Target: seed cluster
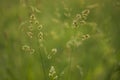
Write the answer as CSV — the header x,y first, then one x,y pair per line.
x,y
28,49
77,40
52,73
81,18
53,52
33,31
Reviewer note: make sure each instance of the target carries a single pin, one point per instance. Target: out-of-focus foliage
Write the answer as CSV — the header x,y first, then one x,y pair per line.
x,y
72,48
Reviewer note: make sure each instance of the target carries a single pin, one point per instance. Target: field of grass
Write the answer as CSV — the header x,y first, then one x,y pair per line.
x,y
60,40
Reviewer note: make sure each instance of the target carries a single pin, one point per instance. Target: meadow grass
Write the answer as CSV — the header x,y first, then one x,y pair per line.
x,y
59,40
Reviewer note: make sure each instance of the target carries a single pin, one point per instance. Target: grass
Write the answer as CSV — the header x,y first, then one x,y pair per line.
x,y
59,40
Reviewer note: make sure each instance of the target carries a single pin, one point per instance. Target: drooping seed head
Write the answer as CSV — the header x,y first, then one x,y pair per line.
x,y
54,50
32,51
26,48
85,12
30,34
40,27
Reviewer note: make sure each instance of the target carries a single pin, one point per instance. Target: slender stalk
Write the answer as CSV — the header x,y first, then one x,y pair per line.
x,y
43,66
42,61
70,57
70,63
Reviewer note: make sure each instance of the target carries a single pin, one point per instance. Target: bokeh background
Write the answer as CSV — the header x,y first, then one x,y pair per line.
x,y
97,58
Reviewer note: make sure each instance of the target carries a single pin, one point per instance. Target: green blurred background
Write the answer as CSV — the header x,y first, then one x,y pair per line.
x,y
98,58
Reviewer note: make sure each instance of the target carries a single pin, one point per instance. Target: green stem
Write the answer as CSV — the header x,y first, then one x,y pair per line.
x,y
70,62
43,66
